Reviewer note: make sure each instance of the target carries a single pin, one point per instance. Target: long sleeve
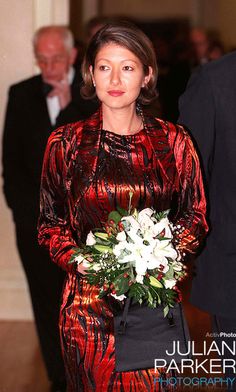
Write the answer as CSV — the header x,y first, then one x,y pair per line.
x,y
191,215
54,225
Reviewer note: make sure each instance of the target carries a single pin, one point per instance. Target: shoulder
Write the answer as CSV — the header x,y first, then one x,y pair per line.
x,y
66,134
217,73
71,134
225,64
170,129
26,86
175,135
26,83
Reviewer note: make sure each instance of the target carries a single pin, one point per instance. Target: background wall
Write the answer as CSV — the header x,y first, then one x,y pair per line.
x,y
18,21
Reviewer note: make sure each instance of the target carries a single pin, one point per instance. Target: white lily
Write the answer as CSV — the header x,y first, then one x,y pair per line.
x,y
169,283
164,224
131,221
177,266
91,239
119,297
132,233
138,254
119,248
121,236
146,211
144,218
157,261
164,249
139,278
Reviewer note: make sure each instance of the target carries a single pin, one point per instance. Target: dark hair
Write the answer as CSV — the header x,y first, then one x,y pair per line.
x,y
132,38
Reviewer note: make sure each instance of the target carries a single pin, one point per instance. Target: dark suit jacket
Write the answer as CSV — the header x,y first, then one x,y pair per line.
x,y
27,128
208,109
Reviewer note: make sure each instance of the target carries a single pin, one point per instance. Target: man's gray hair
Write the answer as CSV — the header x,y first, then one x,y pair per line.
x,y
63,31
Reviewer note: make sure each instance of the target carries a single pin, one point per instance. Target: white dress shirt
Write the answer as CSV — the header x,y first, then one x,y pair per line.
x,y
53,102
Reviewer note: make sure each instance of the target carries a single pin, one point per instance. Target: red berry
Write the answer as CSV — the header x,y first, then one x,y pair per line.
x,y
113,291
130,283
126,275
120,225
162,233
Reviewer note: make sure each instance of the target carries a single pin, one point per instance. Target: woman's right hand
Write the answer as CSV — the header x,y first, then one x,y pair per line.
x,y
82,264
83,267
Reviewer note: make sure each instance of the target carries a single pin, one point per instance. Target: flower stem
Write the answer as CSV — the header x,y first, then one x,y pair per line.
x,y
130,200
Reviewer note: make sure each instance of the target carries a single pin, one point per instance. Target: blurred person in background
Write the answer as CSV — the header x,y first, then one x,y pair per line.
x,y
199,46
93,25
35,107
216,50
207,108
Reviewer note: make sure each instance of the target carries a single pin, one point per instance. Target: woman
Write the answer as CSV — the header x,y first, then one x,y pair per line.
x,y
90,167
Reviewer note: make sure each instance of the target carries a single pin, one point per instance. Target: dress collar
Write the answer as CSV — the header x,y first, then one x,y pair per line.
x,y
96,120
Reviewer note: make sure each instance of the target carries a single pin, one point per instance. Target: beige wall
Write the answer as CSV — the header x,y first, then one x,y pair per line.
x,y
18,21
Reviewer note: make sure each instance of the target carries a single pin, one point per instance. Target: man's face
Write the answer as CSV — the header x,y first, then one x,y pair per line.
x,y
52,57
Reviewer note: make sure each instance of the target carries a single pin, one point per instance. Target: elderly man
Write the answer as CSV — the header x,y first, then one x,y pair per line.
x,y
35,107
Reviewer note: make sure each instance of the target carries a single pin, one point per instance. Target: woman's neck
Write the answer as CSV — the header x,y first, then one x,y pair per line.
x,y
123,121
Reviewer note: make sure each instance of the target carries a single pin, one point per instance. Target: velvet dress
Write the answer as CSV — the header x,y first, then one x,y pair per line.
x,y
87,172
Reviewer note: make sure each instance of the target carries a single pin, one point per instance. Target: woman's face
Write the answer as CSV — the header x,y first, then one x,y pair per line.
x,y
118,76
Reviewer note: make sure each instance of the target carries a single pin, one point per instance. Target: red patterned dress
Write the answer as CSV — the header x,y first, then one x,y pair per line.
x,y
87,172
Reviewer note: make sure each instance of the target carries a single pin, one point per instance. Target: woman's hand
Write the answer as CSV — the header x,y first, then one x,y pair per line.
x,y
83,267
82,264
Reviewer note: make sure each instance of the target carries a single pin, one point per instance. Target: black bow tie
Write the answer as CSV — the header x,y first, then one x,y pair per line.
x,y
46,88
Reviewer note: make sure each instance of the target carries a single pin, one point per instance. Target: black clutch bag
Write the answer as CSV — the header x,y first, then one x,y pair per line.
x,y
143,334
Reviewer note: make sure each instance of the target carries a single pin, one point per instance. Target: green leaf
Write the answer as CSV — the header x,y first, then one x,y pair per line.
x,y
154,282
150,299
155,294
102,293
170,273
166,310
162,214
121,284
103,248
103,236
115,216
122,211
138,292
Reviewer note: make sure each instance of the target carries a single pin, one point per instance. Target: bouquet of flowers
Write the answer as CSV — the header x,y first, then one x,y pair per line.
x,y
133,256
